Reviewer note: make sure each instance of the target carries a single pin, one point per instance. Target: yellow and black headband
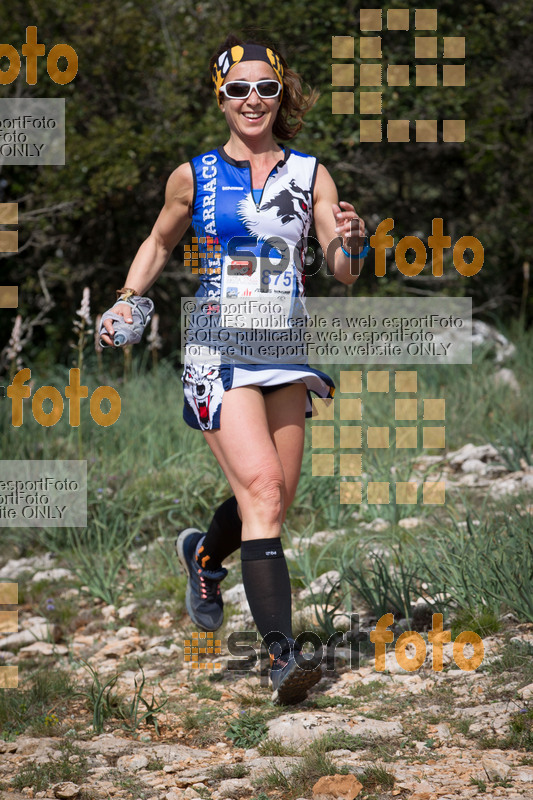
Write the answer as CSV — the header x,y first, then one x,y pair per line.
x,y
246,52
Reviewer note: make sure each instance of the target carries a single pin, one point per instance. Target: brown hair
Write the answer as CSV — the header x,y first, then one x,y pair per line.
x,y
294,104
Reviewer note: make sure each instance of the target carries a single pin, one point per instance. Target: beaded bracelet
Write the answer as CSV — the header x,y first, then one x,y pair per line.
x,y
363,252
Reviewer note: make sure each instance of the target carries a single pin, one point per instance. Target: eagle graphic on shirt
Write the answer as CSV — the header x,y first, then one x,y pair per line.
x,y
285,206
291,207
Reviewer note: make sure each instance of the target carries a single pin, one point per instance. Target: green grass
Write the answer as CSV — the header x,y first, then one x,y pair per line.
x,y
203,725
315,763
375,777
340,740
39,707
225,771
521,725
204,690
71,766
327,701
513,663
276,747
484,623
363,690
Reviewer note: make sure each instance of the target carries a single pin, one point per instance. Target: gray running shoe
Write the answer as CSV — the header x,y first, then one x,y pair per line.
x,y
291,681
203,598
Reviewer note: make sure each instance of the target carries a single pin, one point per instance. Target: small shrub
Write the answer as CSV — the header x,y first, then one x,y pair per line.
x,y
247,730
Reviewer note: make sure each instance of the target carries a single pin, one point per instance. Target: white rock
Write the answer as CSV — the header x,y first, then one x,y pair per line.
x,y
409,522
474,465
36,633
506,377
494,768
524,774
66,790
377,524
134,762
125,612
240,622
321,584
57,574
318,538
118,649
108,612
237,597
482,334
443,730
5,655
126,633
44,649
468,451
16,566
235,787
506,486
526,691
470,479
304,727
526,484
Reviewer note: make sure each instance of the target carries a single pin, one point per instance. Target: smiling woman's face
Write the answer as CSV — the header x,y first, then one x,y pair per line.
x,y
255,115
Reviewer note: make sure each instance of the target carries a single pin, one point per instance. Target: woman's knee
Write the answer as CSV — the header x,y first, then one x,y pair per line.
x,y
264,496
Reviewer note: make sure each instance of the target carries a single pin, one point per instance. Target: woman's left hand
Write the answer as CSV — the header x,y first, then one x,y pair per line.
x,y
349,225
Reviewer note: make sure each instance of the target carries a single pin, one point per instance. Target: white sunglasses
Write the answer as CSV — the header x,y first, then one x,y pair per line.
x,y
240,90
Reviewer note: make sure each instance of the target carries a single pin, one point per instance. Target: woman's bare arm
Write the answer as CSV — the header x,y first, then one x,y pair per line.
x,y
154,252
333,222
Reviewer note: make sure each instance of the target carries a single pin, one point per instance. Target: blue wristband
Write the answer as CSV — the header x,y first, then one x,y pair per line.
x,y
363,252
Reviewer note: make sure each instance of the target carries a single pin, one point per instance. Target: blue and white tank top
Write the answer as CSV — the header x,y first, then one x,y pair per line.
x,y
272,226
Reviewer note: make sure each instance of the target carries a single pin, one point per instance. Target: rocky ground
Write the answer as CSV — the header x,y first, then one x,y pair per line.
x,y
418,735
421,735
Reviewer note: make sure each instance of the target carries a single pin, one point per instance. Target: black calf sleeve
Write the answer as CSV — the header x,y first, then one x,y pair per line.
x,y
223,536
268,589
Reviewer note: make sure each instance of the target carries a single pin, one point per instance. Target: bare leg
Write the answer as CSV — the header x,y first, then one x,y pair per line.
x,y
259,447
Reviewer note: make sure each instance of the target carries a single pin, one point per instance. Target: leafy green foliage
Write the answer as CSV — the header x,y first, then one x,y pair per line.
x,y
105,703
247,730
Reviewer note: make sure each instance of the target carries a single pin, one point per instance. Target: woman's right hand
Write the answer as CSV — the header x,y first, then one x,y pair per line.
x,y
123,310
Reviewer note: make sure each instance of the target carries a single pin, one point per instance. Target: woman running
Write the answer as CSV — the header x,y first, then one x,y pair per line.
x,y
252,415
